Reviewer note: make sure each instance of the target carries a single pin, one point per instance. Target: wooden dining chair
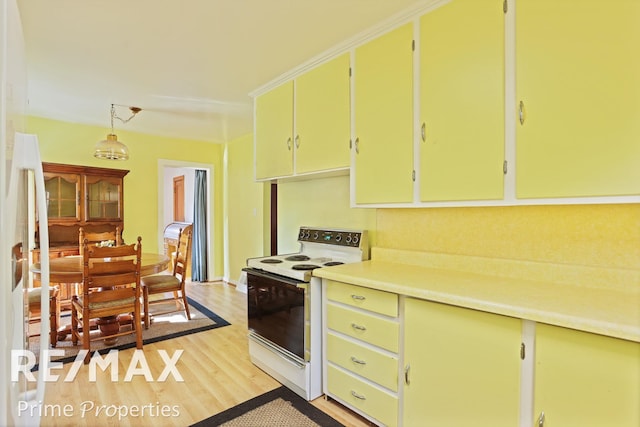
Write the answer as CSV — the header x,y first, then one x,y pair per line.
x,y
96,237
34,296
174,283
111,286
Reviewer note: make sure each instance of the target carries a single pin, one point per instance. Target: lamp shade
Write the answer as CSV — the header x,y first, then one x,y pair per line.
x,y
111,149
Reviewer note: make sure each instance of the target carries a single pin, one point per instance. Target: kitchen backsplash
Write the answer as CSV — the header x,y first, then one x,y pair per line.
x,y
591,235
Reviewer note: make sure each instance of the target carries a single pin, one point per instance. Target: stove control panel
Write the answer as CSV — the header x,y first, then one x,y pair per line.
x,y
331,237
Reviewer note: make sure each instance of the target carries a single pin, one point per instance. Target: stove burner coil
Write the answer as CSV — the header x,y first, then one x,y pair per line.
x,y
271,261
297,258
304,266
329,264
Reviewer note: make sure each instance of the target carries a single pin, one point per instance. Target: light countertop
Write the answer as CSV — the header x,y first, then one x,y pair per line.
x,y
612,311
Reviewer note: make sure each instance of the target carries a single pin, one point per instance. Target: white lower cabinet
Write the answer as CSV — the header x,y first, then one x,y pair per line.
x,y
361,342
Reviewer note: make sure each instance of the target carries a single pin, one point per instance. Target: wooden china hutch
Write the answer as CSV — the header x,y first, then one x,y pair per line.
x,y
80,196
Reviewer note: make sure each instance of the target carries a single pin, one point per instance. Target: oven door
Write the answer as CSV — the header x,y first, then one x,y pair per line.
x,y
276,310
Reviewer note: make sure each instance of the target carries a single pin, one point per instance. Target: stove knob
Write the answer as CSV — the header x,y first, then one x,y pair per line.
x,y
356,239
338,238
315,236
307,234
301,236
348,239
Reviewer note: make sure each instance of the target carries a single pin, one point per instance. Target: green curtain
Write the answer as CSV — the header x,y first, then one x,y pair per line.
x,y
199,245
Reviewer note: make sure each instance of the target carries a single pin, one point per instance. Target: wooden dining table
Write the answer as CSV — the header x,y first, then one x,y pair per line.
x,y
70,269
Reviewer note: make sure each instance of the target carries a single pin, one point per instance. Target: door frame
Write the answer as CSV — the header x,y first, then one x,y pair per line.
x,y
167,163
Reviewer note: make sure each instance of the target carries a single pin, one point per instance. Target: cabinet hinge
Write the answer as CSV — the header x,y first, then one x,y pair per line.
x,y
504,167
350,144
505,6
413,175
350,72
413,45
522,351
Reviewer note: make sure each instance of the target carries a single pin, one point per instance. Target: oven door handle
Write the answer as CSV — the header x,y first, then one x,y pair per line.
x,y
272,276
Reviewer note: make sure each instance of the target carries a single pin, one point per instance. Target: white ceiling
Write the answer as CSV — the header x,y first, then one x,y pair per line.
x,y
189,64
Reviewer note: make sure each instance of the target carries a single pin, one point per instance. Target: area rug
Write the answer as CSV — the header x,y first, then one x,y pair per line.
x,y
162,328
278,408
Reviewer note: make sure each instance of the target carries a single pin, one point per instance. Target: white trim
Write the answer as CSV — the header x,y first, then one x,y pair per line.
x,y
417,134
510,102
527,372
165,163
352,118
307,175
226,266
516,202
294,129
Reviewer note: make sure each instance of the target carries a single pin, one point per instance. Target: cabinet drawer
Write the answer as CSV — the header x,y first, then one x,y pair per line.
x,y
371,364
374,402
366,327
369,299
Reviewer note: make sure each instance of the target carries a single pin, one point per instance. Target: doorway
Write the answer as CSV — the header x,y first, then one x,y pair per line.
x,y
168,170
178,198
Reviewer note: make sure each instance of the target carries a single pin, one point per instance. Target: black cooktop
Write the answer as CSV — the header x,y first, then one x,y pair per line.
x,y
297,258
304,266
330,263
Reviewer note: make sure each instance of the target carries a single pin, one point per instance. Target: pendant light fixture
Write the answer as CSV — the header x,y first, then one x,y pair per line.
x,y
111,148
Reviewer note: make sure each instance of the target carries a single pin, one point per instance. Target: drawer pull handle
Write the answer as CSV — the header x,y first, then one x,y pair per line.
x,y
358,297
357,396
358,361
358,327
407,369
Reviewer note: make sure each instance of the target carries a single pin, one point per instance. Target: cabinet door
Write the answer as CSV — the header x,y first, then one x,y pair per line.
x,y
462,101
322,118
274,129
462,367
383,79
63,197
584,380
103,198
577,74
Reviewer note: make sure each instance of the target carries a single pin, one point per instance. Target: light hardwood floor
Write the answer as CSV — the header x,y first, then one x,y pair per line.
x,y
215,367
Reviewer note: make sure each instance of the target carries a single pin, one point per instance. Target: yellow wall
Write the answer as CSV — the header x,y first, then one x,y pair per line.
x,y
322,202
71,143
245,225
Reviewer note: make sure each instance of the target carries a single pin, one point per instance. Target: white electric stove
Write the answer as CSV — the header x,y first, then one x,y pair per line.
x,y
284,304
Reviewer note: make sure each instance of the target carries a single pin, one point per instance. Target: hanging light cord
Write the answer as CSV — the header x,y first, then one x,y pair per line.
x,y
134,111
